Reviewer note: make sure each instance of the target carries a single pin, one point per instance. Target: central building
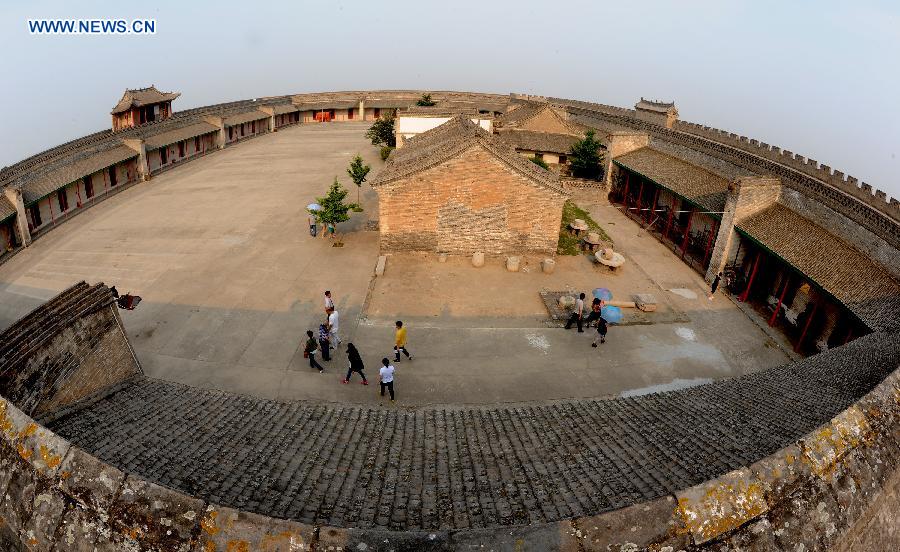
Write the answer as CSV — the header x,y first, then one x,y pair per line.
x,y
459,189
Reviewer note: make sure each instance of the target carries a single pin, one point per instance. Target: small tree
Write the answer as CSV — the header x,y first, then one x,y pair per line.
x,y
425,101
334,210
585,157
381,133
358,171
539,162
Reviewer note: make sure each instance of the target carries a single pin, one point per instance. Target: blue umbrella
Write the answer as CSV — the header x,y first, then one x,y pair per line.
x,y
611,314
313,207
603,294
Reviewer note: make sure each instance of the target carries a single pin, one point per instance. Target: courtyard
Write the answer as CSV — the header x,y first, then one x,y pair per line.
x,y
230,278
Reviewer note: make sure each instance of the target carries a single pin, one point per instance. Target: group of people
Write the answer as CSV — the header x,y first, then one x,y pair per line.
x,y
327,229
329,339
595,314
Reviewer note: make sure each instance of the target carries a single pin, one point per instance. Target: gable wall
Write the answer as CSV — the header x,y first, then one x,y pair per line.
x,y
470,203
546,121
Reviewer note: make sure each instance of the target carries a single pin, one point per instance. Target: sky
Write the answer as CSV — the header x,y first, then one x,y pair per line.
x,y
821,78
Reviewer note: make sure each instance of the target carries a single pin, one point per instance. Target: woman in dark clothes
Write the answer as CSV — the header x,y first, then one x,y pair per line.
x,y
356,364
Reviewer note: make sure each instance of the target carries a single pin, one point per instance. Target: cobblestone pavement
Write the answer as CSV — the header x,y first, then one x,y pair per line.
x,y
449,467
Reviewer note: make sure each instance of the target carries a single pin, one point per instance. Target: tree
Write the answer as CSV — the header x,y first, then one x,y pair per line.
x,y
358,171
425,101
382,132
334,210
539,162
585,157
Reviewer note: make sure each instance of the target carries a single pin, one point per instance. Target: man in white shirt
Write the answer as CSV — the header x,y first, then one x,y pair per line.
x,y
386,375
578,315
329,302
333,327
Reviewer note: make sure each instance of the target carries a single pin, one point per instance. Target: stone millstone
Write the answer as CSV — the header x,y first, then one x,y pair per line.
x,y
566,302
512,264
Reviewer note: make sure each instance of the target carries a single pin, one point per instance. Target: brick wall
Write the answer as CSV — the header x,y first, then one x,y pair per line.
x,y
68,349
473,202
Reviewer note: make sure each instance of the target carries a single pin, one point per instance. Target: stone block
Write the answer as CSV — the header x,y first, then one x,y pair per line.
x,y
39,446
380,265
520,538
229,529
442,258
655,523
88,480
721,505
809,520
83,531
828,443
47,510
566,302
781,473
478,259
548,266
512,264
17,502
645,301
154,516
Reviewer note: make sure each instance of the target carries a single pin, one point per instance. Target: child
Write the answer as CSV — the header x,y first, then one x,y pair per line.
x,y
310,351
386,377
601,332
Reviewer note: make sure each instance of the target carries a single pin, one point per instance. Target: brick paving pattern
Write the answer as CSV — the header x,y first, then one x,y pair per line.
x,y
463,467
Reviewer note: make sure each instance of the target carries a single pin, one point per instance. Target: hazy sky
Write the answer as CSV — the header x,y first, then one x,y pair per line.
x,y
818,78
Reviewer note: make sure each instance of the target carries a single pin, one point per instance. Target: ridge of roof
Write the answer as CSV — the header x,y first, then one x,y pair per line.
x,y
452,138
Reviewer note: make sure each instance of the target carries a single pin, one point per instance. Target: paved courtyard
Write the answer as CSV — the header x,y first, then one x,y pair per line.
x,y
230,278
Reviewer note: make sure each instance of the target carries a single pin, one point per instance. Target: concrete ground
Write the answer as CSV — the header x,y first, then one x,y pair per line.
x,y
220,252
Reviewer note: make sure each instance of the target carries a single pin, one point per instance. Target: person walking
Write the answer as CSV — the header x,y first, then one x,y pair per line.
x,y
329,301
334,325
715,285
356,364
386,377
596,308
313,225
578,315
324,343
602,326
400,342
309,351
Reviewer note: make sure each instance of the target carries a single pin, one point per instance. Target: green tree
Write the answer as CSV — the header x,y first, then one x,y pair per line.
x,y
382,132
539,162
334,210
358,172
425,101
585,157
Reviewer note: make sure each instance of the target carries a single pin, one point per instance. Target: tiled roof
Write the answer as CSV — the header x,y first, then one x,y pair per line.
x,y
539,141
521,113
328,104
281,109
439,111
143,96
448,140
40,186
166,138
659,107
694,183
457,467
863,286
245,117
7,209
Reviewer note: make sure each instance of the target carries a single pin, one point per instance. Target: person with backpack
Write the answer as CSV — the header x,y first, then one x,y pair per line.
x,y
356,364
309,351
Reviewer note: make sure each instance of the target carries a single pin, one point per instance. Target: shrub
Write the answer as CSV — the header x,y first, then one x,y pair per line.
x,y
540,163
385,151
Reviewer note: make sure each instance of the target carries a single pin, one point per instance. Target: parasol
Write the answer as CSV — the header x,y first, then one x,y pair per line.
x,y
603,294
611,314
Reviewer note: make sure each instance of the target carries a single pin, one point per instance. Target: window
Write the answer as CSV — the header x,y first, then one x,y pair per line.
x,y
35,211
63,200
350,114
112,176
181,148
562,159
163,155
88,187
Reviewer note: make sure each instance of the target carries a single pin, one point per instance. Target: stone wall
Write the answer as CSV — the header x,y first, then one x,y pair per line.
x,y
473,202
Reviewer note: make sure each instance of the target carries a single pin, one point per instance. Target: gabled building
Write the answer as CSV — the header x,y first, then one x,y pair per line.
x,y
661,113
540,131
538,117
142,105
416,120
460,189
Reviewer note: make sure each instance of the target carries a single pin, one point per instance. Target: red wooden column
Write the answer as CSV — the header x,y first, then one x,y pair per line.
x,y
812,313
713,230
787,282
652,210
687,233
669,222
637,206
752,275
78,192
625,194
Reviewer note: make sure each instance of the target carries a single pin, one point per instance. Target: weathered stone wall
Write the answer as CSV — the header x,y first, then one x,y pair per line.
x,y
473,202
71,347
